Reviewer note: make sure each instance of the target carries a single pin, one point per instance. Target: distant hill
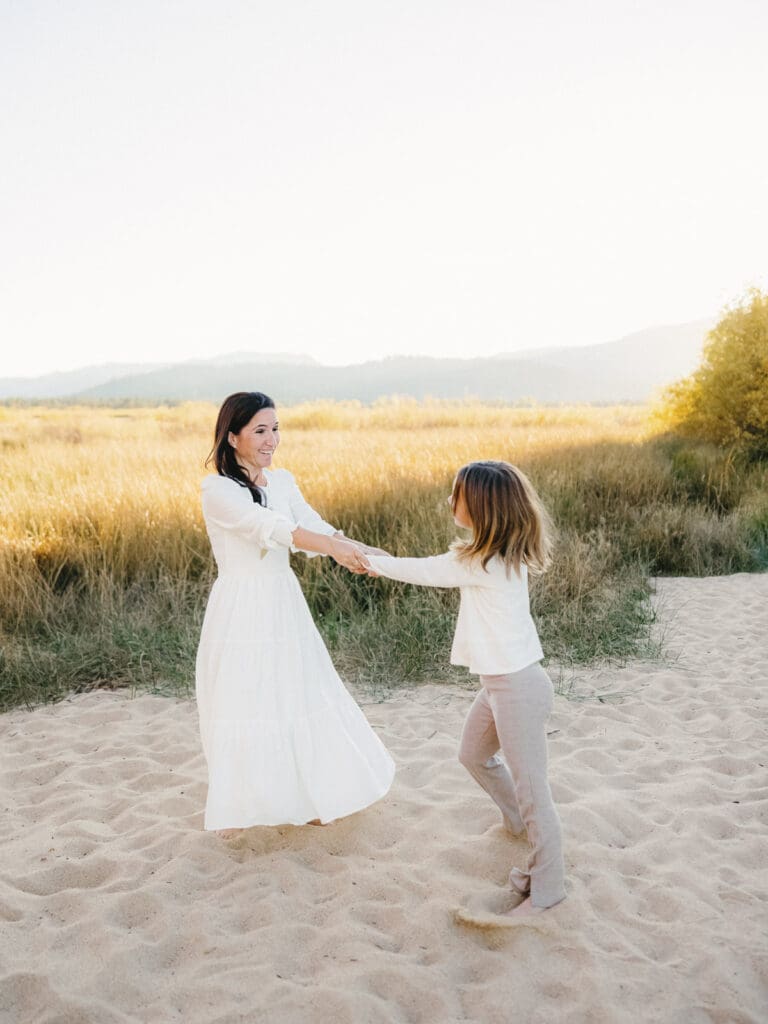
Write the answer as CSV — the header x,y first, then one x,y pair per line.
x,y
73,383
637,364
627,370
60,385
419,377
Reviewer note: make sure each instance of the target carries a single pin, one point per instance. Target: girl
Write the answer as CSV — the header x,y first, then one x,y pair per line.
x,y
496,638
284,740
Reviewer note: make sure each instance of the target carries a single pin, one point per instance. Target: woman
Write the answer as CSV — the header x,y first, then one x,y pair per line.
x,y
284,740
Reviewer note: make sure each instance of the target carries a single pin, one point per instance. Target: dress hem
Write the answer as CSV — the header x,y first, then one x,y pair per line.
x,y
298,824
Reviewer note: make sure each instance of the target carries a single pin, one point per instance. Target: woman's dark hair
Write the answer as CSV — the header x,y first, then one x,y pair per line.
x,y
236,411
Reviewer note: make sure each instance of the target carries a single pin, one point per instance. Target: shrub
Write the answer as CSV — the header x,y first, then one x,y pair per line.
x,y
725,400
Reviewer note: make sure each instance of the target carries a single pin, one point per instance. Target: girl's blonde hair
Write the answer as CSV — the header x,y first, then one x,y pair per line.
x,y
507,517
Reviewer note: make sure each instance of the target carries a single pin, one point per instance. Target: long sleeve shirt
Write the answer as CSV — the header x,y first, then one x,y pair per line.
x,y
232,516
495,633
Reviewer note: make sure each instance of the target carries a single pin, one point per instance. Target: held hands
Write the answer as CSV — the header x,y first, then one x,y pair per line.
x,y
349,555
367,548
372,551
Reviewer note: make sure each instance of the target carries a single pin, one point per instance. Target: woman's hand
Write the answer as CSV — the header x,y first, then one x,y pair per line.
x,y
363,547
371,551
368,550
349,555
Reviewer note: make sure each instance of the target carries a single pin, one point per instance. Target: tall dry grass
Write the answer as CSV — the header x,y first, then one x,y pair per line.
x,y
105,564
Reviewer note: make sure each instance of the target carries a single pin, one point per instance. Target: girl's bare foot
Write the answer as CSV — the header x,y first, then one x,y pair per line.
x,y
527,909
520,882
515,828
229,833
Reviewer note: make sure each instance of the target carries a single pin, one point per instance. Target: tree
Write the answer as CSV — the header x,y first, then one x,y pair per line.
x,y
726,399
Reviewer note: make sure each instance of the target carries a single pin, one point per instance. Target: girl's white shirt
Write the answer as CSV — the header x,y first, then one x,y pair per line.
x,y
495,633
229,508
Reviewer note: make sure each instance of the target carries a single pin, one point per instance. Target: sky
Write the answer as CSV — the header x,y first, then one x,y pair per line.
x,y
352,179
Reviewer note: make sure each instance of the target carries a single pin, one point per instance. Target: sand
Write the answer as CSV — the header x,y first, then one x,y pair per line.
x,y
115,907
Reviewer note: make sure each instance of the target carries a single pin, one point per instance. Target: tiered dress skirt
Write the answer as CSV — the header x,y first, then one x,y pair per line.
x,y
285,741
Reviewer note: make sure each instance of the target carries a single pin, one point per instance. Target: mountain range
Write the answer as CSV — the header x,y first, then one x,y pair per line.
x,y
630,369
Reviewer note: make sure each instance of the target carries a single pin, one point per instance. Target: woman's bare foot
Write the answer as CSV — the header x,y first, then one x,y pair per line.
x,y
229,833
316,821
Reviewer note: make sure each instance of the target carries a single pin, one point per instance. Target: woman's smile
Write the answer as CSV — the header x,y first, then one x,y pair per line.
x,y
255,444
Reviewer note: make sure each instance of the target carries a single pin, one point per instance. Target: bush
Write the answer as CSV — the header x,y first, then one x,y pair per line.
x,y
725,401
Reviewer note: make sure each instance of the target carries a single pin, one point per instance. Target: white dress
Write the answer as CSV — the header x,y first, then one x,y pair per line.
x,y
284,740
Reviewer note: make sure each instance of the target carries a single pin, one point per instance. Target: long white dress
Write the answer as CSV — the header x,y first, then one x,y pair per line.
x,y
284,740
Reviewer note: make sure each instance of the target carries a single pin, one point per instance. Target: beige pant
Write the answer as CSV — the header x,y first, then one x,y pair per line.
x,y
510,713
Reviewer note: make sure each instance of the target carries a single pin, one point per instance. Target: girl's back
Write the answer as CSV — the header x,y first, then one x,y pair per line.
x,y
494,630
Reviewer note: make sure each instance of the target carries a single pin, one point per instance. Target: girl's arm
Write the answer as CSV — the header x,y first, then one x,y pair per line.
x,y
437,571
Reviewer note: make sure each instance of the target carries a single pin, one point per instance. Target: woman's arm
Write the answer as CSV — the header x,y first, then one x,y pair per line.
x,y
303,513
224,507
230,507
343,551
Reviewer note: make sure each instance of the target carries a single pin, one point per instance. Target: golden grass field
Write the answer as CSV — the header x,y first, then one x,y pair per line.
x,y
114,467
104,561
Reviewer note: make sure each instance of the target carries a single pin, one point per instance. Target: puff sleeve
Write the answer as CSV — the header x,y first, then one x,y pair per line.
x,y
302,512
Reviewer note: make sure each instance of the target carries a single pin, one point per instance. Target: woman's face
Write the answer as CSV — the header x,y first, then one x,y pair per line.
x,y
256,442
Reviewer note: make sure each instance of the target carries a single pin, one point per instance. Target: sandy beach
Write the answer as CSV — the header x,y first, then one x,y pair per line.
x,y
115,906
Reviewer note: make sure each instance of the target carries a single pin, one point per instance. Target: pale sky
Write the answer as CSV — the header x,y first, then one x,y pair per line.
x,y
352,179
